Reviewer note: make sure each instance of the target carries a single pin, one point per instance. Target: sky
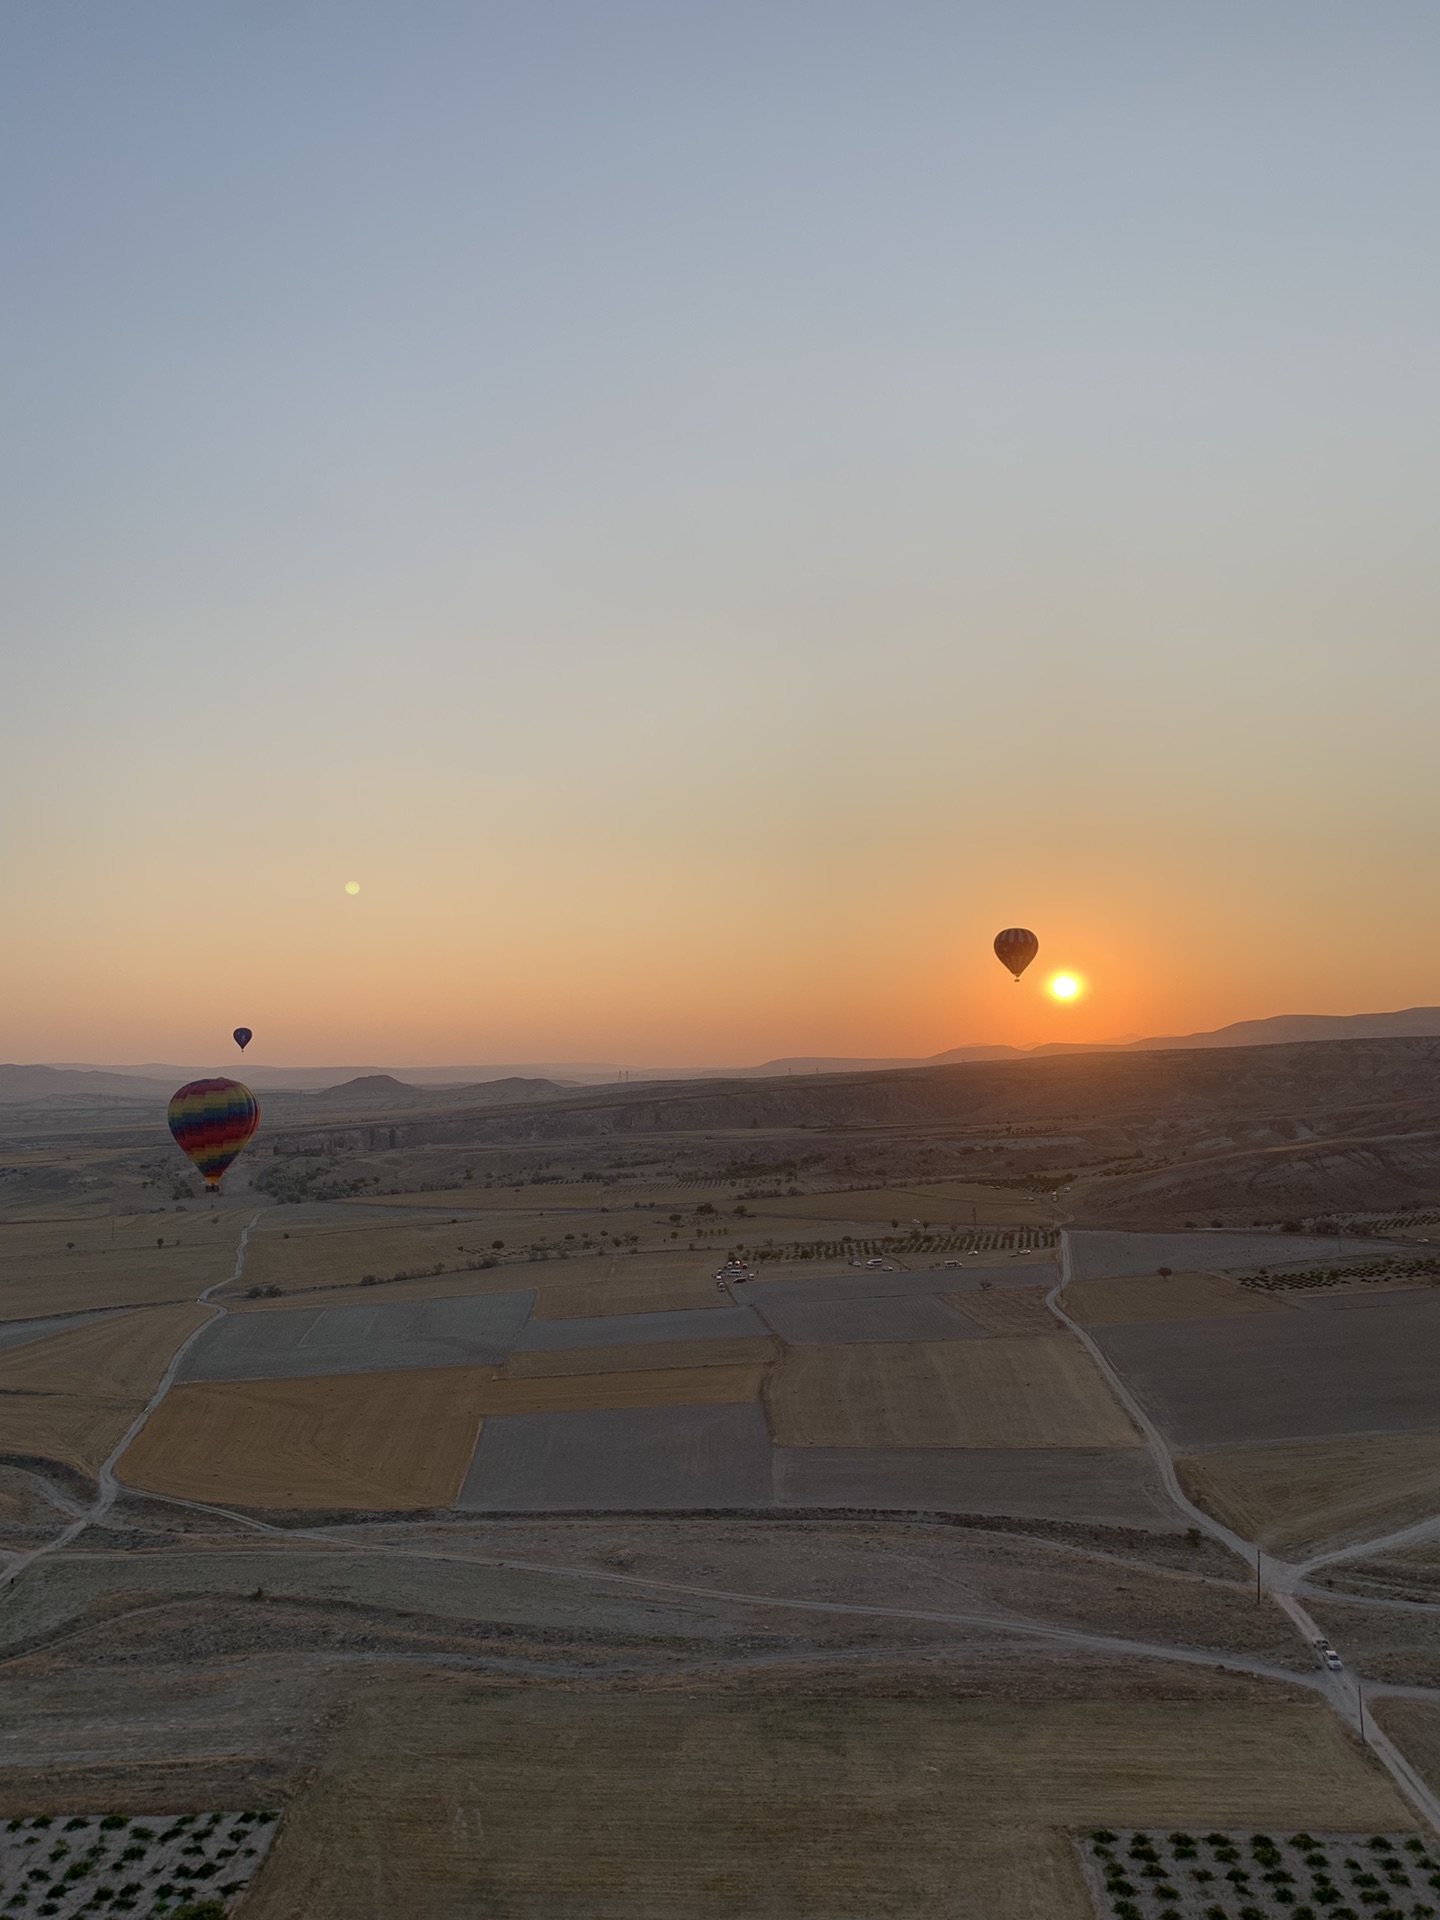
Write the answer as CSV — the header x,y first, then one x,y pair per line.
x,y
706,512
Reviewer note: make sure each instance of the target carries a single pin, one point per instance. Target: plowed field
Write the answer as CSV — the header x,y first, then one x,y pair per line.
x,y
1007,1310
950,1393
390,1441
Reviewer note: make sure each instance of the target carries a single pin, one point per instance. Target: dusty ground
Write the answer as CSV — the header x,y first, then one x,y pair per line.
x,y
1399,1645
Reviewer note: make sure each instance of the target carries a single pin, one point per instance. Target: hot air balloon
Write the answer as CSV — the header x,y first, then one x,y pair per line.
x,y
1015,948
211,1121
242,1037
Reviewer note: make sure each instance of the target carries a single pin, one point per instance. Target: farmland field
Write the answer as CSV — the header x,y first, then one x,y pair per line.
x,y
915,1316
389,1441
961,1393
425,1333
634,1806
1115,1485
71,1397
720,1322
551,1363
1294,1494
1006,1310
622,1459
646,1387
1256,1378
1101,1255
563,1584
1176,1296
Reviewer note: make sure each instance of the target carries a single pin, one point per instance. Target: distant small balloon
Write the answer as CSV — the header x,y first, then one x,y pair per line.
x,y
1015,948
242,1037
211,1121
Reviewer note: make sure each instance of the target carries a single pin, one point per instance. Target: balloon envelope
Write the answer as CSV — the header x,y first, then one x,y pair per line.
x,y
242,1037
211,1121
1015,948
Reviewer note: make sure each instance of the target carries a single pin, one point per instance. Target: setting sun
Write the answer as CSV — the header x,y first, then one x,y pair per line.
x,y
1063,986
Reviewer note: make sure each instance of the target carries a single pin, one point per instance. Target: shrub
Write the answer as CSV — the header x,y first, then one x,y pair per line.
x,y
112,1821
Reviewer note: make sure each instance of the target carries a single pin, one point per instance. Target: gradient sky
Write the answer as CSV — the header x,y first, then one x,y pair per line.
x,y
707,512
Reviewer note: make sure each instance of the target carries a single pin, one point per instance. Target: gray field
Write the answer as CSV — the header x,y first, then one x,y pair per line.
x,y
918,1316
639,1329
633,1457
478,1330
1109,1485
1100,1256
1248,1379
19,1333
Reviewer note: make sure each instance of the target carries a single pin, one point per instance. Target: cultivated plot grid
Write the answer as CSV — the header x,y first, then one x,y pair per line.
x,y
1259,1876
151,1865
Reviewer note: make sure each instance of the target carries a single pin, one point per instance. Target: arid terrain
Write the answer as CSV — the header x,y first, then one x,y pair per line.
x,y
432,1490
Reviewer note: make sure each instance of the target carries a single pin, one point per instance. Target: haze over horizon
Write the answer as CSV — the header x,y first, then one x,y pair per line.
x,y
706,515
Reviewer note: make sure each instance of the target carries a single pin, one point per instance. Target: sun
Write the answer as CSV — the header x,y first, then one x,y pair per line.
x,y
1063,986
352,886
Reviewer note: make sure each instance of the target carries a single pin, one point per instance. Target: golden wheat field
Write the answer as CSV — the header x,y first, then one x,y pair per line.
x,y
388,1441
1022,1392
641,1805
71,1397
1297,1492
1176,1296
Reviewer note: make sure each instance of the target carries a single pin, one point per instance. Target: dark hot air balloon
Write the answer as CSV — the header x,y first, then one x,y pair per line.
x,y
1015,948
242,1037
211,1121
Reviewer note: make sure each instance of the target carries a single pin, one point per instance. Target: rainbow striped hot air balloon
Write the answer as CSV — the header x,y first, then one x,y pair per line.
x,y
211,1121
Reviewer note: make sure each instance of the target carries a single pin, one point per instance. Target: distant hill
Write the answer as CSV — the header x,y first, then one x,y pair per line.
x,y
60,1086
383,1093
81,1082
1415,1023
